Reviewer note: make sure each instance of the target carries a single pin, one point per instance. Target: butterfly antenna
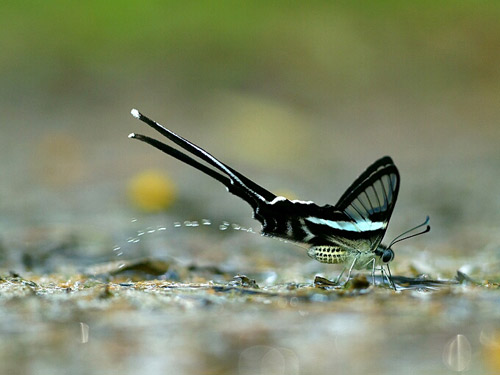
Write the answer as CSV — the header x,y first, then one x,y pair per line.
x,y
401,238
390,277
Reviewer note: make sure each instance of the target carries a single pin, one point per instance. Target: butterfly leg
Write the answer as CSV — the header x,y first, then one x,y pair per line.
x,y
351,268
371,264
383,273
373,270
388,276
340,276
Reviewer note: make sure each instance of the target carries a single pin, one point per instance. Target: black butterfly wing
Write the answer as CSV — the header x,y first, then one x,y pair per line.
x,y
235,182
369,202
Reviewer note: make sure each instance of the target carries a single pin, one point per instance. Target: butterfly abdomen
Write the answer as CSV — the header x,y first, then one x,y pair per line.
x,y
328,254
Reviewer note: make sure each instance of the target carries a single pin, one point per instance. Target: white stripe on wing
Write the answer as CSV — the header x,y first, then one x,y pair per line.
x,y
358,226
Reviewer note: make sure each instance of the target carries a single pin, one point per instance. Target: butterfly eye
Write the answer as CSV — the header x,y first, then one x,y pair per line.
x,y
387,256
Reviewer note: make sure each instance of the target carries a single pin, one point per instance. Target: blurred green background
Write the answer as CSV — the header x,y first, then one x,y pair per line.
x,y
299,96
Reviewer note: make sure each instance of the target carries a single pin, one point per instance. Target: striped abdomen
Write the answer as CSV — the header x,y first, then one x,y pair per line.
x,y
327,254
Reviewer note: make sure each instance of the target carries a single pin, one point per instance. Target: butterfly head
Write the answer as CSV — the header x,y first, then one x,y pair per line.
x,y
387,255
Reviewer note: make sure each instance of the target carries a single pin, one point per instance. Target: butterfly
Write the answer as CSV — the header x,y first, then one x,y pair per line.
x,y
349,232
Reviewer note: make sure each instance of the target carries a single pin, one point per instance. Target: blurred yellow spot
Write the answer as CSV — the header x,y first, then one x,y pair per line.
x,y
491,352
152,191
260,129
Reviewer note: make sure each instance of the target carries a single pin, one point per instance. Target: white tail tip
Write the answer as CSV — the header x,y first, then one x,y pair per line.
x,y
135,113
131,135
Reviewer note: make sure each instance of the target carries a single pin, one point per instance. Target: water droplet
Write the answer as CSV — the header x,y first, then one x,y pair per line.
x,y
271,278
177,224
150,230
130,240
140,233
235,226
121,265
195,224
224,225
488,337
187,223
162,228
119,254
116,248
457,353
84,330
317,297
133,220
260,359
206,222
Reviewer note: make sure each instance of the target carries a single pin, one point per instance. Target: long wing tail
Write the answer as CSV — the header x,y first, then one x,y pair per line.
x,y
235,182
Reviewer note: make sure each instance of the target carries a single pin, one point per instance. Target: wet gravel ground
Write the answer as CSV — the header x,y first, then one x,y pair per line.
x,y
81,324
